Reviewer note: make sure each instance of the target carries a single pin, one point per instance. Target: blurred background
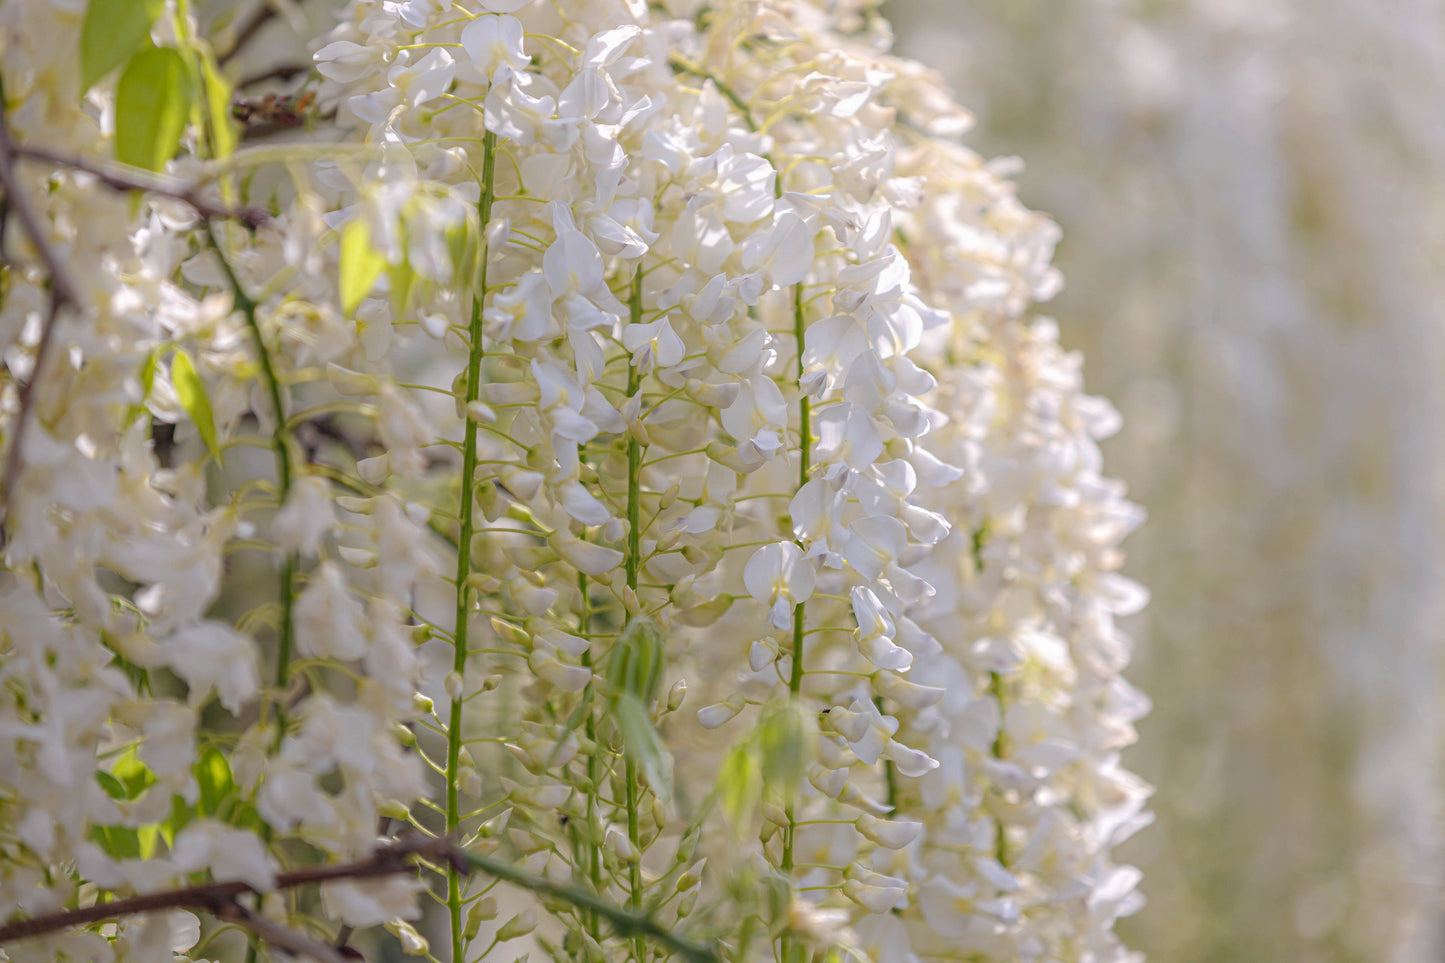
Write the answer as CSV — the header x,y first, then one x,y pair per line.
x,y
1252,194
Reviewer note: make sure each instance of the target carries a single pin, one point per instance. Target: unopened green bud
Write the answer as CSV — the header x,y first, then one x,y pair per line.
x,y
517,926
676,694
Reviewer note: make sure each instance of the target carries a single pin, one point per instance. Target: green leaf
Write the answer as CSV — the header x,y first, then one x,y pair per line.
x,y
403,286
113,31
148,375
635,664
152,104
463,248
182,813
117,842
740,784
783,743
213,776
147,837
361,264
134,776
642,745
191,391
112,786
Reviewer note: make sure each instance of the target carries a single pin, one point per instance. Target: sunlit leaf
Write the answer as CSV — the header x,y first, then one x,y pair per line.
x,y
361,264
635,664
133,775
213,776
403,286
218,107
782,746
113,31
152,105
117,842
739,784
191,391
147,837
643,745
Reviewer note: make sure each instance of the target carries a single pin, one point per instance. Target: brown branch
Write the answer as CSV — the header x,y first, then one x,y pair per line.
x,y
134,180
292,941
248,33
216,897
220,900
281,72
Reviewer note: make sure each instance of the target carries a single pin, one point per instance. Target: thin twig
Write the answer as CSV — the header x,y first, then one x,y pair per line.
x,y
211,897
134,180
248,33
219,899
64,290
282,72
292,941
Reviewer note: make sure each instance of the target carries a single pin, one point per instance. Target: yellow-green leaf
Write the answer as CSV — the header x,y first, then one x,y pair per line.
x,y
784,742
635,664
113,31
361,264
403,285
146,838
152,104
642,745
147,376
740,783
218,105
213,776
191,391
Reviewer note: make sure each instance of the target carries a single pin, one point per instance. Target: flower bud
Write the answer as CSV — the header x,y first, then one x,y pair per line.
x,y
392,809
481,911
621,846
890,834
719,713
829,782
517,926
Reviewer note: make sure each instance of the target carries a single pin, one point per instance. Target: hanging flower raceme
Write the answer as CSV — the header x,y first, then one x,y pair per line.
x,y
653,353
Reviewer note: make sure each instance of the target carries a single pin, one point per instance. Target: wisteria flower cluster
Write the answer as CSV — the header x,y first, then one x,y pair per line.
x,y
609,463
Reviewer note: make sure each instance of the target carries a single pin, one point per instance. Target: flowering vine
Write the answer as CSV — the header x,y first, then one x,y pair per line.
x,y
612,359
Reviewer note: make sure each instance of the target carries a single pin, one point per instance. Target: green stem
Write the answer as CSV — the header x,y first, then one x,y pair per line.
x,y
634,561
890,775
286,630
800,619
594,767
999,749
466,513
634,452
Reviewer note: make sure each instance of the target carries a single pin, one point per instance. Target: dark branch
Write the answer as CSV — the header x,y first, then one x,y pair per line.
x,y
248,33
215,897
133,180
283,72
64,290
293,942
220,900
